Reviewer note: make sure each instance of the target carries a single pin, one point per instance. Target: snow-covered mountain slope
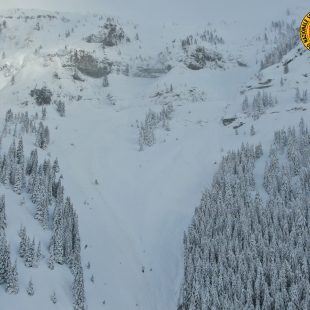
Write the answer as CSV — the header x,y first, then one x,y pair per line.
x,y
134,206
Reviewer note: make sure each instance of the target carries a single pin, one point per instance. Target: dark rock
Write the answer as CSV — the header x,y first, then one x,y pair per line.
x,y
228,121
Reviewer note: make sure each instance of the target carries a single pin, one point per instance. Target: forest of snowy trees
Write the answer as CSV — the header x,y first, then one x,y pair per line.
x,y
247,249
284,40
151,122
260,103
55,212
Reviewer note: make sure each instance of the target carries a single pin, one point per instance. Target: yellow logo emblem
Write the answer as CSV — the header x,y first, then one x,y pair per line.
x,y
305,31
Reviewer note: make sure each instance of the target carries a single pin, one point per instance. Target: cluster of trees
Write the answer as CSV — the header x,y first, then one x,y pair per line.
x,y
65,245
12,167
28,249
152,121
199,57
60,107
19,123
42,136
301,97
169,94
286,38
42,96
23,123
89,65
209,36
260,103
243,252
26,18
113,33
40,181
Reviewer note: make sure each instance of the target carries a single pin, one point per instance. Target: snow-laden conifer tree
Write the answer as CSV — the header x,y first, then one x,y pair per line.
x,y
78,290
12,286
252,131
245,252
5,259
2,215
30,253
58,228
23,242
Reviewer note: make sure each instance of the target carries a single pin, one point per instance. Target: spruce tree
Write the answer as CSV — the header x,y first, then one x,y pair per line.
x,y
78,290
38,254
58,234
30,288
44,113
297,95
23,242
258,151
304,98
42,212
20,152
32,163
56,166
2,215
18,184
30,253
12,286
60,107
252,131
51,259
5,260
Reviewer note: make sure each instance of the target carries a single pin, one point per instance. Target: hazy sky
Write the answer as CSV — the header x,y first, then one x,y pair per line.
x,y
147,8
185,11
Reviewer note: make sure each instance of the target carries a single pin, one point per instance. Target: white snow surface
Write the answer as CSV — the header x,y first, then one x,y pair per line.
x,y
144,201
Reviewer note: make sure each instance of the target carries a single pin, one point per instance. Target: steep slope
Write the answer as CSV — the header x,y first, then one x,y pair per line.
x,y
133,206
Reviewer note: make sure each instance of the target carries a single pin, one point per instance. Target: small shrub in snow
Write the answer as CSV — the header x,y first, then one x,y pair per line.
x,y
30,288
110,99
105,81
53,298
60,107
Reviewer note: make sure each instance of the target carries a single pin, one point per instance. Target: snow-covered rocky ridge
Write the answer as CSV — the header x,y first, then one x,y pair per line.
x,y
133,206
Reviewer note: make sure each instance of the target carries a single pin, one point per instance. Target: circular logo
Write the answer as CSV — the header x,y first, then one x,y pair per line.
x,y
305,31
